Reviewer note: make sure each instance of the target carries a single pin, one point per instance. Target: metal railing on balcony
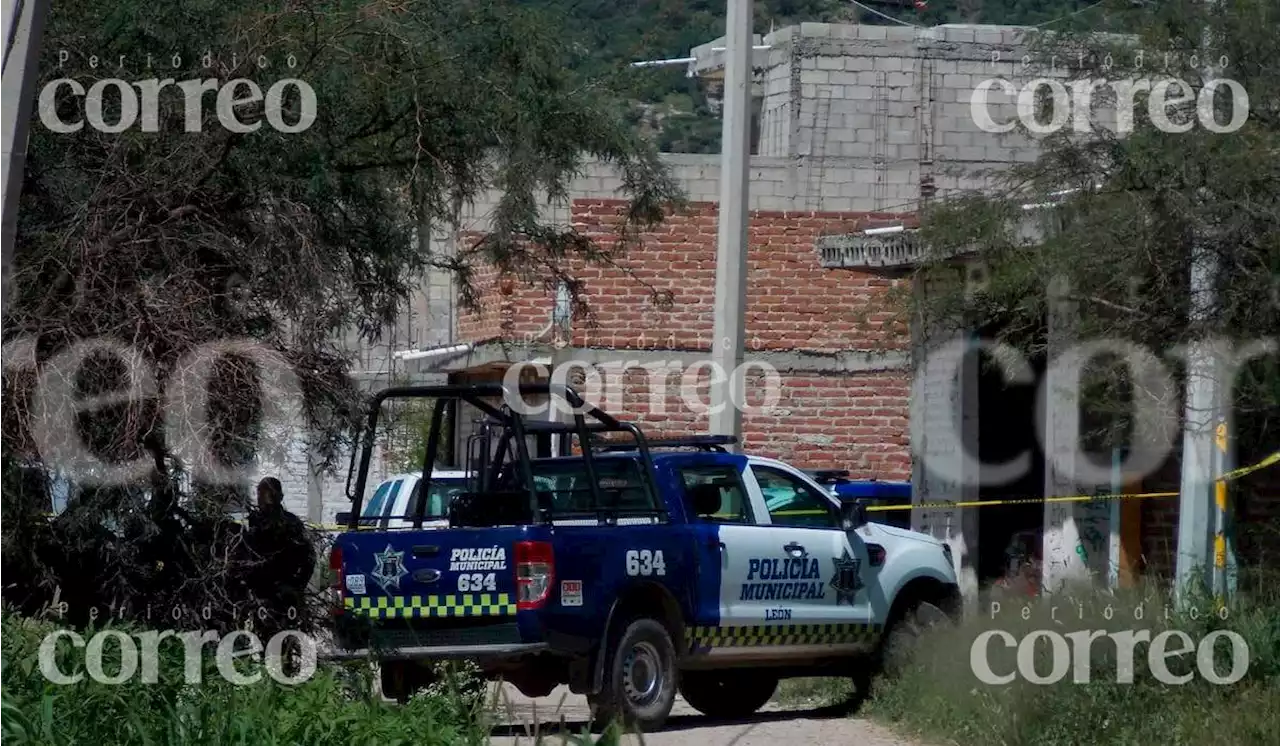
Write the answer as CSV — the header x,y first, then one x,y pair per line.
x,y
897,250
856,251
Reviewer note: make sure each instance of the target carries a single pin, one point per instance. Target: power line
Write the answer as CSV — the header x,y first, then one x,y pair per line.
x,y
1071,14
1059,19
885,16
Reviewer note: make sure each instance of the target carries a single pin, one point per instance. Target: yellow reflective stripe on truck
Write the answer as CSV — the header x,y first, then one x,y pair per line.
x,y
454,605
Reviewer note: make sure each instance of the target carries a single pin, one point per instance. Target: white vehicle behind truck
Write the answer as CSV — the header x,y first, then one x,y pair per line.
x,y
395,501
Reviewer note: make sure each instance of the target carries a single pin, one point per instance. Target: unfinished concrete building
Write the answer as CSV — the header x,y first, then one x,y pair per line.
x,y
857,127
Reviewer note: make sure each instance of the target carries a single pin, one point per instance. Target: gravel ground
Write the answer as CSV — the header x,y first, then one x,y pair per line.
x,y
524,720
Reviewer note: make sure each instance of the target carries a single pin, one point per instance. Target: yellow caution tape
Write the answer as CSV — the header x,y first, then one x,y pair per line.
x,y
1018,501
1271,460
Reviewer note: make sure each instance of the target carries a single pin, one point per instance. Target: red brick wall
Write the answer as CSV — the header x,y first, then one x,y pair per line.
x,y
792,302
851,421
856,421
488,325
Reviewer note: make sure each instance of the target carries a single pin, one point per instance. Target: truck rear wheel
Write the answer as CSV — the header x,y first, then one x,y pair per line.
x,y
727,694
639,678
400,680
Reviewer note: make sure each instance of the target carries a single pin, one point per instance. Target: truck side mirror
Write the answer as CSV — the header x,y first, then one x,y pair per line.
x,y
853,515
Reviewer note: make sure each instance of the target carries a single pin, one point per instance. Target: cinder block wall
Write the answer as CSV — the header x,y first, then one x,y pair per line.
x,y
911,80
897,101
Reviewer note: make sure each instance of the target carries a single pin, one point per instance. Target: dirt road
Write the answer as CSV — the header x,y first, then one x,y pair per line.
x,y
525,719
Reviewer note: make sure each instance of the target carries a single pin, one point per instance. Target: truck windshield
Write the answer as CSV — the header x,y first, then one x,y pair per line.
x,y
374,508
384,502
442,491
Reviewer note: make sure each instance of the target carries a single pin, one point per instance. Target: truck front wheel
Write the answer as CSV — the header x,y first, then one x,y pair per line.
x,y
727,694
904,632
639,678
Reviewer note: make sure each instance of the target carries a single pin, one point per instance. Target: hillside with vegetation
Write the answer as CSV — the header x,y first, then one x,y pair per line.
x,y
674,108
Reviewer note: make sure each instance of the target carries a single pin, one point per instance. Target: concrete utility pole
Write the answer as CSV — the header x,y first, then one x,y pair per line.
x,y
1224,561
731,248
1202,504
1201,513
23,28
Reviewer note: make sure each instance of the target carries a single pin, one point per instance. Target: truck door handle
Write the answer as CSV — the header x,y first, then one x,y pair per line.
x,y
713,544
423,550
794,548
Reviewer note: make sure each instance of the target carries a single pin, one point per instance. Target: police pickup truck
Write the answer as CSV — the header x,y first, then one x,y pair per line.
x,y
630,569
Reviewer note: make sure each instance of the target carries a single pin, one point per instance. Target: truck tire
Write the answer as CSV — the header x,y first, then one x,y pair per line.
x,y
727,694
639,685
860,680
903,632
400,680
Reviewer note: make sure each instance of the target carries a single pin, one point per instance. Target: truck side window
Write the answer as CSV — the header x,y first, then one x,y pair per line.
x,y
702,482
390,506
791,502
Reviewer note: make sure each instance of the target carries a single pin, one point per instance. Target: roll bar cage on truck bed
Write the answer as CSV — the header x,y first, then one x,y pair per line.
x,y
645,580
504,472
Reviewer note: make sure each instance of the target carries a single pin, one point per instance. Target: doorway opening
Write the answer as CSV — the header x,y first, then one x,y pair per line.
x,y
1009,536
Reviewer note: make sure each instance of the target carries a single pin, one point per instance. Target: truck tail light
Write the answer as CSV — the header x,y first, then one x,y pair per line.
x,y
336,591
875,555
535,573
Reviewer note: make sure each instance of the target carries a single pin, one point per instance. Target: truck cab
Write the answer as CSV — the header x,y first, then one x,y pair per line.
x,y
633,570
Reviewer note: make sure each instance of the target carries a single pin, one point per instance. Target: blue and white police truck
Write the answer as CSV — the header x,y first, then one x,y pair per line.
x,y
627,568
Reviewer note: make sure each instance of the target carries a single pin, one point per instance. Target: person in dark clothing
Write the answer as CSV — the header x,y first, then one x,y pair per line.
x,y
271,497
284,547
271,506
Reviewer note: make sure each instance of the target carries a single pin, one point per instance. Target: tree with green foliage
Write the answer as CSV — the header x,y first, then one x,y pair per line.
x,y
1111,15
617,34
180,233
1146,203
